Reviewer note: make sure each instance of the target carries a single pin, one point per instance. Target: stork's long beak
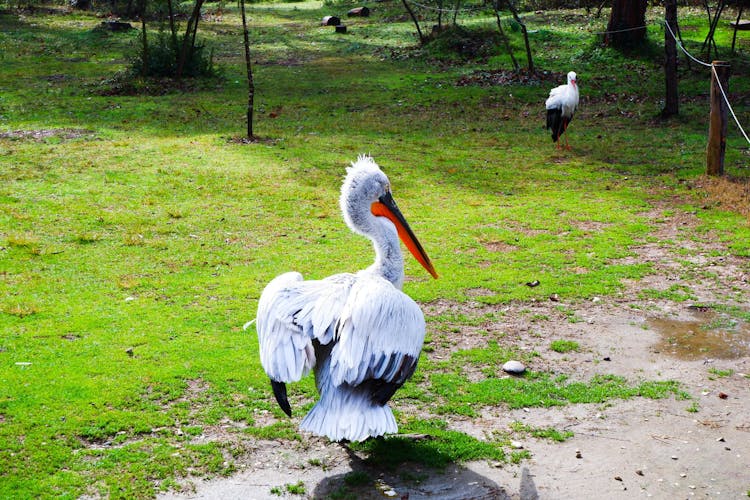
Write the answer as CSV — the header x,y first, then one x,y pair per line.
x,y
386,207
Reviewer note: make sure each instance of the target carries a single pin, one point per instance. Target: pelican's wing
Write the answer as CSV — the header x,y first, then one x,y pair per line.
x,y
291,313
380,335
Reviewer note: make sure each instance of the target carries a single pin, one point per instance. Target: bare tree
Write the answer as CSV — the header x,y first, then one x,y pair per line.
x,y
503,36
144,41
250,83
414,19
514,11
172,27
671,100
188,42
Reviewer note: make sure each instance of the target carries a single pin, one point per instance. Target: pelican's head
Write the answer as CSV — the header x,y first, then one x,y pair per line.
x,y
366,193
572,78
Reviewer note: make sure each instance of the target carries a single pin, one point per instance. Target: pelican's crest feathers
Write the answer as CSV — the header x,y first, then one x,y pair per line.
x,y
359,332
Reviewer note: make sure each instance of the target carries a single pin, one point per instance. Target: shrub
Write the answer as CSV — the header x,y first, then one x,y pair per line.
x,y
458,42
161,56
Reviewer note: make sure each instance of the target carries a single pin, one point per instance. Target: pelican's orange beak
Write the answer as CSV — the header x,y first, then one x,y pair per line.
x,y
386,207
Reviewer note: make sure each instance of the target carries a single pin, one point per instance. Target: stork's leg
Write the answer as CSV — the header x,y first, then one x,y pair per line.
x,y
565,128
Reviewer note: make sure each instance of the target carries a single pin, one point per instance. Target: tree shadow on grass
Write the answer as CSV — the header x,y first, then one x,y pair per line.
x,y
410,468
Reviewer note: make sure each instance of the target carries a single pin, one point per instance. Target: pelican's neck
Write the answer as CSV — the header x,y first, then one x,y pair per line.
x,y
389,263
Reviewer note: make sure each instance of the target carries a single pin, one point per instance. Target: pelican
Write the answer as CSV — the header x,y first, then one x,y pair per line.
x,y
359,332
561,105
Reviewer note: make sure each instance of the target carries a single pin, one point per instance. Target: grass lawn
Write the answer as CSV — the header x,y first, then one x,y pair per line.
x,y
136,236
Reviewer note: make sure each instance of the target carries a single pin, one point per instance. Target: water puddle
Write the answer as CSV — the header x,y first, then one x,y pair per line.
x,y
710,334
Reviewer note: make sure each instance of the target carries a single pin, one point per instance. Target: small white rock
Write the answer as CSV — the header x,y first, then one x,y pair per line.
x,y
514,367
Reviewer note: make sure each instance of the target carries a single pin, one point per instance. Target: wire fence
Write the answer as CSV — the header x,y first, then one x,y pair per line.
x,y
612,32
624,30
718,82
451,10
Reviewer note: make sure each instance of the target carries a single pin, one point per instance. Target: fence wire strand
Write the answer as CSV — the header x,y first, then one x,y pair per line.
x,y
441,9
718,82
674,37
624,30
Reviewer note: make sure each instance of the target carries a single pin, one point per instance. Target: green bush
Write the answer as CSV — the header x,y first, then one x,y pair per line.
x,y
460,43
161,55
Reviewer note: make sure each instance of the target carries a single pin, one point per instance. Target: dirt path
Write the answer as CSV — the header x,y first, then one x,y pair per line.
x,y
638,448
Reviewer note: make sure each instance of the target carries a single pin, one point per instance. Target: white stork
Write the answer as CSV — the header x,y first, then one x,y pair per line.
x,y
561,105
359,332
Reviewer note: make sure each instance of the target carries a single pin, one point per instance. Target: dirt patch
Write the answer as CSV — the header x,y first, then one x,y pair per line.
x,y
667,448
44,134
487,78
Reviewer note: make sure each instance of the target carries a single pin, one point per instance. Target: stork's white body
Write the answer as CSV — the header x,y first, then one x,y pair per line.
x,y
359,332
561,106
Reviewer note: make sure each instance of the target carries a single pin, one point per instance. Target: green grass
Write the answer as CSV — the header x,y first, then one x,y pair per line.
x,y
563,346
455,394
135,237
542,433
718,373
442,447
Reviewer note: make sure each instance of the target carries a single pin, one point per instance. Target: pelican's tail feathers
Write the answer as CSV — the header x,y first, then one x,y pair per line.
x,y
348,413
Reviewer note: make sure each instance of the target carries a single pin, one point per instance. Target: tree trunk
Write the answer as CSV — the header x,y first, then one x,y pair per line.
x,y
250,84
414,18
172,27
737,26
713,23
627,24
671,100
503,36
525,32
144,58
192,27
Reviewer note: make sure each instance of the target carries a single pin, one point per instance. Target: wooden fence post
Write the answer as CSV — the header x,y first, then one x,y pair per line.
x,y
717,125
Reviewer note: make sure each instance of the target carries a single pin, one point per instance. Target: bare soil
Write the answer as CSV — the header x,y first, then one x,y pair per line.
x,y
638,448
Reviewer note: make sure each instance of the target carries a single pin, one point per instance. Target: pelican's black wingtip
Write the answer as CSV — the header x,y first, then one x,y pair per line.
x,y
279,391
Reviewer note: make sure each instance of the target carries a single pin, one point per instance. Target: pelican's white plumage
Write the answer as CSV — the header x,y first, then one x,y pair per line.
x,y
359,332
561,106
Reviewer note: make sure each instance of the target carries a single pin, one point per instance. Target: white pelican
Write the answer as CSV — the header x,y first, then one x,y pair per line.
x,y
360,332
561,104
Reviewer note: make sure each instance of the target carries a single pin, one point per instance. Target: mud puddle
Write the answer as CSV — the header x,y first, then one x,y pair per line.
x,y
710,334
